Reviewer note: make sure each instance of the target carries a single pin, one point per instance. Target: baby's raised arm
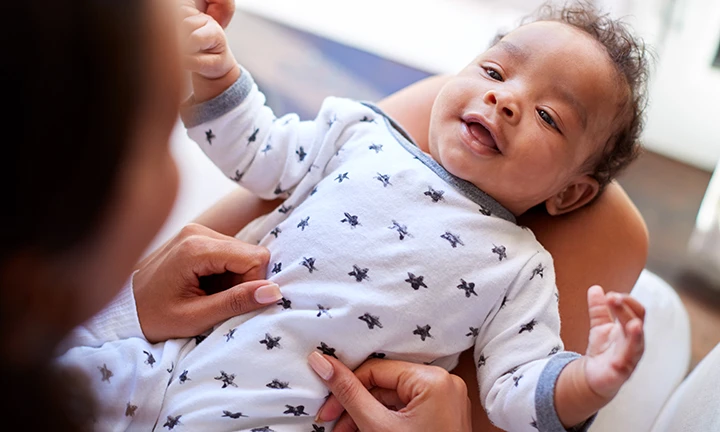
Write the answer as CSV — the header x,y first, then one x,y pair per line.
x,y
206,54
615,346
227,117
526,379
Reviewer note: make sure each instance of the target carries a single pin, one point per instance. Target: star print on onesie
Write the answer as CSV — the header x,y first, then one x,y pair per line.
x,y
209,136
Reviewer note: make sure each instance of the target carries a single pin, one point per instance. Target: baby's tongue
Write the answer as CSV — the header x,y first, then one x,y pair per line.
x,y
482,134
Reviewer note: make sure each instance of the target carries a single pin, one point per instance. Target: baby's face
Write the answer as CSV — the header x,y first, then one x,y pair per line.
x,y
521,121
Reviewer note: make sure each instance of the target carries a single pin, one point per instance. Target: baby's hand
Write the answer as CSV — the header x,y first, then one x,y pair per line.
x,y
616,340
206,53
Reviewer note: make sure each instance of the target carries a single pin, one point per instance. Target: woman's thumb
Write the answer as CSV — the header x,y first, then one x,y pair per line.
x,y
348,391
234,301
221,10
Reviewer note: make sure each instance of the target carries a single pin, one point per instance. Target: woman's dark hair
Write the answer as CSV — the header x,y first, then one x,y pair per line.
x,y
74,78
629,56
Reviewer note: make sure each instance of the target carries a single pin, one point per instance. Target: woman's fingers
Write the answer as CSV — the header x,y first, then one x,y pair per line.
x,y
349,391
389,398
209,253
208,256
171,285
345,424
429,397
249,260
332,409
206,311
221,10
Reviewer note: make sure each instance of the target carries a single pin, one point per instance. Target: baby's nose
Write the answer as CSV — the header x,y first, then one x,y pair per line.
x,y
503,103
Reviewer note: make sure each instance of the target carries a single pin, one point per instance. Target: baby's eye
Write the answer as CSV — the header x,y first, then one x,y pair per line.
x,y
492,73
547,118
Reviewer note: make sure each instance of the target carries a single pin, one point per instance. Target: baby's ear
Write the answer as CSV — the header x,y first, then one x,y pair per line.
x,y
578,193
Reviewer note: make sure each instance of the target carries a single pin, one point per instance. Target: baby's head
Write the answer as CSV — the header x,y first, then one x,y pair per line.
x,y
550,113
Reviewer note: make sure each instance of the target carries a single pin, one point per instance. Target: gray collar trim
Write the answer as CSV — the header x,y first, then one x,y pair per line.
x,y
468,189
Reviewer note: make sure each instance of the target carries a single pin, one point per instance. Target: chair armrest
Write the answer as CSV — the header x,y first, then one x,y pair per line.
x,y
695,404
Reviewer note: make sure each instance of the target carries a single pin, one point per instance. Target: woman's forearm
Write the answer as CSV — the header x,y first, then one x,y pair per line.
x,y
235,210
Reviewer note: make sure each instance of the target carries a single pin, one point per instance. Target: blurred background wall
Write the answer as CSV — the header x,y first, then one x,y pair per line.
x,y
441,36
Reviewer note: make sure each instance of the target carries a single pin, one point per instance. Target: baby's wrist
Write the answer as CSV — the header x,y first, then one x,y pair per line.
x,y
575,399
585,384
205,88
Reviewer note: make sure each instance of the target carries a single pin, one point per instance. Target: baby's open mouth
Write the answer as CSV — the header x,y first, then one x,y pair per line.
x,y
482,135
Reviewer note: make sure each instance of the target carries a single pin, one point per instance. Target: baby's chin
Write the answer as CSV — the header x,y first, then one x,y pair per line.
x,y
455,162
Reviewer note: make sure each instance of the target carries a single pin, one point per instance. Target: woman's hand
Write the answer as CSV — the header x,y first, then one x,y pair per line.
x,y
221,10
172,289
390,395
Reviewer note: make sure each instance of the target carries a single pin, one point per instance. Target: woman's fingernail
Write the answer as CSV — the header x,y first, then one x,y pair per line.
x,y
318,417
320,365
268,294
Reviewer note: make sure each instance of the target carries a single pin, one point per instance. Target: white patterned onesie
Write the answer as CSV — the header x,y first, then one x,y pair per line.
x,y
379,252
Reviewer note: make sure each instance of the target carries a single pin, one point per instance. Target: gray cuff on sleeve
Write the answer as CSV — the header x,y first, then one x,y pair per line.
x,y
548,420
196,114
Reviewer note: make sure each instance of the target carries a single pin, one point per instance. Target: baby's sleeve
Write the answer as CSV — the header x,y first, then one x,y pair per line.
x,y
126,379
269,156
519,354
118,320
126,375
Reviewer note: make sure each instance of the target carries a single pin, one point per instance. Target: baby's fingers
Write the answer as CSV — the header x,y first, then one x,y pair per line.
x,y
619,305
631,347
206,35
598,306
209,66
635,306
630,314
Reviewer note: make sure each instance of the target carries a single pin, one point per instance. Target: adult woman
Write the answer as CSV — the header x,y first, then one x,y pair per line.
x,y
66,251
103,80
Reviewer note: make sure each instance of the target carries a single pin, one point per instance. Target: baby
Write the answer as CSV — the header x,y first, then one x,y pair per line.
x,y
384,249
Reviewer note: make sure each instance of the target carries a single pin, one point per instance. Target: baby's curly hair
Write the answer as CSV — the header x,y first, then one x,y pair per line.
x,y
630,57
